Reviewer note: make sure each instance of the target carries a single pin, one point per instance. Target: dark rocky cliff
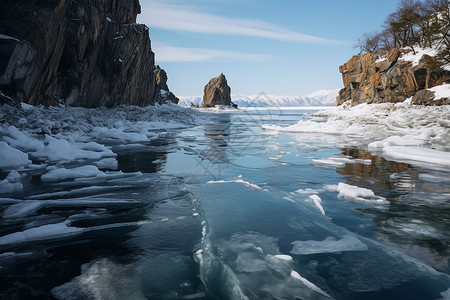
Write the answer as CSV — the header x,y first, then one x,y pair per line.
x,y
378,78
86,52
217,92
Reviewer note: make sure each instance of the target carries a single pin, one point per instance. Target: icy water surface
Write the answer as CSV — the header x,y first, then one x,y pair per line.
x,y
228,210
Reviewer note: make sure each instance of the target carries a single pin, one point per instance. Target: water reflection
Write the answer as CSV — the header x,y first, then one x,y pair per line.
x,y
386,178
418,218
218,137
147,158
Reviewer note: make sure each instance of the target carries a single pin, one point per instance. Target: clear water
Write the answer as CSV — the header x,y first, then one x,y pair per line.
x,y
214,205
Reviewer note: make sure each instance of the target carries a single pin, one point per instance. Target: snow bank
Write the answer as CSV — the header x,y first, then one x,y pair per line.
x,y
383,126
64,134
441,91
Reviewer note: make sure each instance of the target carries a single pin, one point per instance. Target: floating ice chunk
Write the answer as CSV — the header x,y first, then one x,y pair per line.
x,y
107,163
7,187
329,245
354,193
284,257
64,150
12,158
308,283
346,190
22,209
318,203
17,139
246,183
44,232
328,162
418,154
12,183
306,191
64,174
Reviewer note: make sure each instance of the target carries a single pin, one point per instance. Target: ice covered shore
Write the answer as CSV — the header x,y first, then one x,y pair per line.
x,y
416,134
58,135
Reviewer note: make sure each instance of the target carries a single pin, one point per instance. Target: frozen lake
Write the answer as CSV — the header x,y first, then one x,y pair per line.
x,y
233,205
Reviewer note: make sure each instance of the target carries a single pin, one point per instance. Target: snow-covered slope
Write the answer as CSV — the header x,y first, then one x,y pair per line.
x,y
319,98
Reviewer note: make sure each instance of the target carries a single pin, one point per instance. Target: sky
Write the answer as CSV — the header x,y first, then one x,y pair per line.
x,y
284,47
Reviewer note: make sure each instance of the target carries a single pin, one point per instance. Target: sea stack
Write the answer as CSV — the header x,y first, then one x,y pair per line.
x,y
217,92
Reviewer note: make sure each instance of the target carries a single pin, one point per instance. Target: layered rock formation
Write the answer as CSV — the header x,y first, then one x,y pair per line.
x,y
161,85
85,52
217,92
372,78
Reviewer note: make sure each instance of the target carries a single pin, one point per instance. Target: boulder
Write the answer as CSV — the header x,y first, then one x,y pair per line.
x,y
426,97
369,79
217,92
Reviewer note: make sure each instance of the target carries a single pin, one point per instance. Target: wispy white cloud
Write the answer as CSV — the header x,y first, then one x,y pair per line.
x,y
185,18
167,53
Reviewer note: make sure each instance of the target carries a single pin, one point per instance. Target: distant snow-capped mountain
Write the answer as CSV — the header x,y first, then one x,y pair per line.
x,y
319,98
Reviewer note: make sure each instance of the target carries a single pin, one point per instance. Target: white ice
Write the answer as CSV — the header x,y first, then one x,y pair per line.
x,y
12,183
12,158
64,174
241,181
382,126
358,194
43,232
308,283
329,245
318,203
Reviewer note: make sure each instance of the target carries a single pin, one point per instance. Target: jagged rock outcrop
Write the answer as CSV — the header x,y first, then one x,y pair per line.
x,y
217,92
85,52
161,85
371,78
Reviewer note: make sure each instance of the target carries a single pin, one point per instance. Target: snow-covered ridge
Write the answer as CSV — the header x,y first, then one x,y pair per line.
x,y
319,98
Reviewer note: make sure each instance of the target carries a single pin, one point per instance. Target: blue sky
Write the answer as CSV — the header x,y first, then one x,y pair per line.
x,y
285,47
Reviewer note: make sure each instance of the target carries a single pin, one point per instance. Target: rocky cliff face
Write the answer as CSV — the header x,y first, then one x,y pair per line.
x,y
217,92
86,52
374,78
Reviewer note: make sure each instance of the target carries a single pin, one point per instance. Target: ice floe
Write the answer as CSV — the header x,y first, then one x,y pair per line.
x,y
329,245
64,174
358,194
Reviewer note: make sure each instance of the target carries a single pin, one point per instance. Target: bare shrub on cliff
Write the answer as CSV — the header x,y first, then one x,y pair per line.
x,y
414,23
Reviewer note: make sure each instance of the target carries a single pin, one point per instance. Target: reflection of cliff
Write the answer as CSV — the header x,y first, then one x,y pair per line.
x,y
218,134
146,160
377,175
